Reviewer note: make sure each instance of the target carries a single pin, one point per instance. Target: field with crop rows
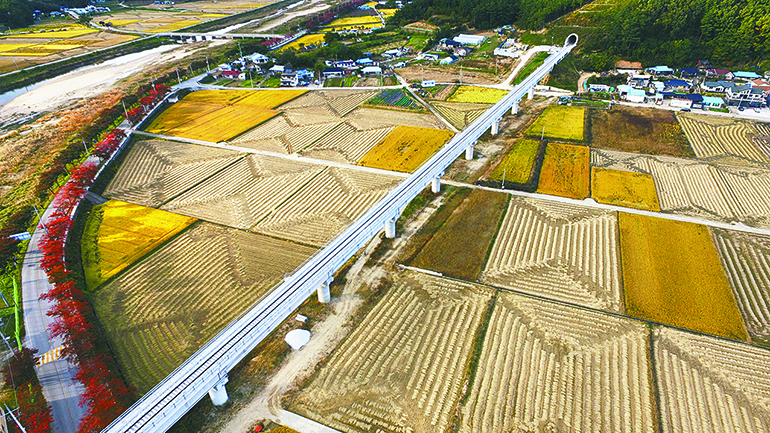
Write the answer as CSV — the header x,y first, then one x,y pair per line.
x,y
326,205
558,251
245,192
559,123
477,95
672,274
219,115
405,148
708,190
624,188
401,370
460,114
547,367
712,137
154,171
517,165
345,143
565,171
307,40
118,233
395,98
746,260
710,385
159,312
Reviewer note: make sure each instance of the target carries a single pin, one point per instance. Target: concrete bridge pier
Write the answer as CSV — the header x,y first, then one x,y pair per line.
x,y
324,293
515,108
390,228
435,184
218,393
531,93
469,151
496,127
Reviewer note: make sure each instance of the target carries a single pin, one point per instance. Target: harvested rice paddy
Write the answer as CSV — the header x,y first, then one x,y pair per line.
x,y
405,148
718,138
565,171
460,114
624,188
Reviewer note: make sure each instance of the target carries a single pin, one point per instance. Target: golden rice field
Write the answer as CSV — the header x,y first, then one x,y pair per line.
x,y
61,34
219,115
558,251
314,39
518,164
708,190
402,368
155,171
706,384
459,114
565,171
672,274
118,233
477,95
559,123
160,311
405,148
170,27
11,47
546,367
714,137
624,188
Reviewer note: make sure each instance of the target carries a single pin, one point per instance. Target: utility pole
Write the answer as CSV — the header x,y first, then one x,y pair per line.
x,y
207,64
503,184
177,75
85,146
125,112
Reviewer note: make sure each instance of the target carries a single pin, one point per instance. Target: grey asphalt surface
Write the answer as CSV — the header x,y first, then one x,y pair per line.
x,y
56,377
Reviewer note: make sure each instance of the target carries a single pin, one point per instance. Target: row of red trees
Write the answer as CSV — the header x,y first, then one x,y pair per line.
x,y
146,103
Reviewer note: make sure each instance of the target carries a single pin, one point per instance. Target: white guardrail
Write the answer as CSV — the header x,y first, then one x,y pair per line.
x,y
168,401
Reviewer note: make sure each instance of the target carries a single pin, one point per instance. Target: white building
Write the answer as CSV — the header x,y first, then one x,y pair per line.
x,y
469,39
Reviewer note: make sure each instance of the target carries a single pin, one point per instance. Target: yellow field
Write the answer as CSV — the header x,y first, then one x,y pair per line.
x,y
11,47
314,39
26,54
355,21
119,233
565,171
405,148
170,27
387,13
54,35
672,274
219,115
116,23
212,15
478,95
357,26
624,188
560,122
517,164
49,27
58,47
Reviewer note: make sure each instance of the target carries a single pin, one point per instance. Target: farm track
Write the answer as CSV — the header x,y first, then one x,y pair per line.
x,y
560,251
161,310
549,367
155,171
707,190
711,385
401,370
746,260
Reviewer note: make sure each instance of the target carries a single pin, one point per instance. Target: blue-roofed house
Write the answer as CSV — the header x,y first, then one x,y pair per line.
x,y
677,85
713,102
636,95
715,86
660,70
689,72
365,61
448,60
746,75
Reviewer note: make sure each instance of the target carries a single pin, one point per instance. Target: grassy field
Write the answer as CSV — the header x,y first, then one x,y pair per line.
x,y
639,130
624,188
559,123
219,115
459,248
405,148
533,64
518,163
672,274
565,171
118,233
478,95
161,310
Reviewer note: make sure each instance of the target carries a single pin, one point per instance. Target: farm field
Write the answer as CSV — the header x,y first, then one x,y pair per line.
x,y
672,274
624,188
118,233
326,205
152,19
711,385
746,261
402,368
549,367
639,130
477,95
518,164
460,246
559,251
565,171
155,171
460,114
201,117
405,148
395,98
244,193
707,190
160,311
725,139
559,123
315,39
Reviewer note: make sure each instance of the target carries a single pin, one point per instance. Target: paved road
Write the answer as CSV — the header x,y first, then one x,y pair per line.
x,y
56,377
